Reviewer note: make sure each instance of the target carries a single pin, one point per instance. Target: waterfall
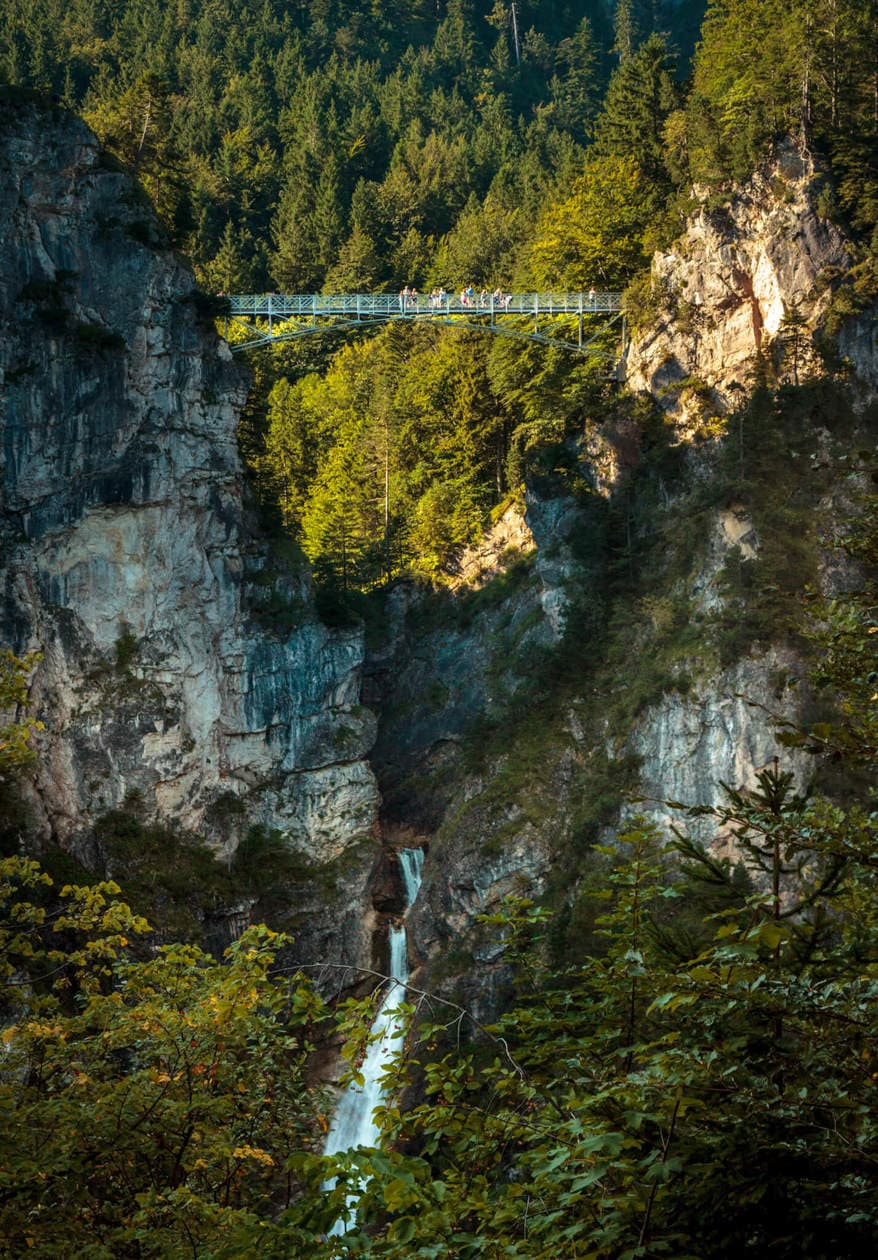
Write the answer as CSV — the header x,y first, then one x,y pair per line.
x,y
353,1124
411,862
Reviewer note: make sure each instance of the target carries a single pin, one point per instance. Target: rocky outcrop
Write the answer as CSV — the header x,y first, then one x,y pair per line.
x,y
183,665
508,537
858,345
688,746
730,288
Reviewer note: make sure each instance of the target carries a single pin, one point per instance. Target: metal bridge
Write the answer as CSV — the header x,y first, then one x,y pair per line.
x,y
271,317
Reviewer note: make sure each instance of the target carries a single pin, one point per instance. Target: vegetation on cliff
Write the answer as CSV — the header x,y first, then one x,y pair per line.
x,y
694,1074
700,1081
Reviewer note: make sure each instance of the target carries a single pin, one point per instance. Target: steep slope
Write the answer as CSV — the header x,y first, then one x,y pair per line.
x,y
683,525
184,670
752,276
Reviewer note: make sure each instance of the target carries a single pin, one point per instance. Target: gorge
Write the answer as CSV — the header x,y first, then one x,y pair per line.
x,y
543,684
131,564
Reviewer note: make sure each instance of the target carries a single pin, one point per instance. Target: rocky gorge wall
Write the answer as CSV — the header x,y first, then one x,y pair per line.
x,y
607,694
587,655
128,557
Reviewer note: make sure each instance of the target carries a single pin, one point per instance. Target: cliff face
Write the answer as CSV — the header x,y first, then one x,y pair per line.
x,y
184,667
654,692
727,289
168,674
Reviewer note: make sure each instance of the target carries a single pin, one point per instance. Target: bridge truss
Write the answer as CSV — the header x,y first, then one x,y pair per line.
x,y
268,318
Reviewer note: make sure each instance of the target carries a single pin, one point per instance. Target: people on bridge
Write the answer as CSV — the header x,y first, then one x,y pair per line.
x,y
468,297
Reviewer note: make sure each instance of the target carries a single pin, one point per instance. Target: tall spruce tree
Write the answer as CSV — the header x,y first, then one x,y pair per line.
x,y
641,95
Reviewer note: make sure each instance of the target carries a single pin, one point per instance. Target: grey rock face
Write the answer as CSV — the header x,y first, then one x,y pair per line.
x,y
127,557
727,285
689,746
858,343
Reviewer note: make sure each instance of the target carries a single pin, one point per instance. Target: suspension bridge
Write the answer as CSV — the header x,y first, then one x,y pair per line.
x,y
571,321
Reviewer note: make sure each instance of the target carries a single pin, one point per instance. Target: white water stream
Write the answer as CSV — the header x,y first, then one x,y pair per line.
x,y
353,1124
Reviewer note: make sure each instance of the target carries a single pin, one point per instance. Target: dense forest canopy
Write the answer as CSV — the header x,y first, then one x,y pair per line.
x,y
344,147
293,144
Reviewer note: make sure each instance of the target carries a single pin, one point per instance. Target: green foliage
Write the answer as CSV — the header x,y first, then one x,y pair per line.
x,y
694,1085
126,648
266,866
172,877
148,1107
325,142
855,293
16,747
597,234
388,461
774,473
770,67
641,95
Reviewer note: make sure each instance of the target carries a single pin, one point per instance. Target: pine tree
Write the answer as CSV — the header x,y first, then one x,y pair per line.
x,y
626,30
578,90
295,262
594,239
231,269
641,95
358,267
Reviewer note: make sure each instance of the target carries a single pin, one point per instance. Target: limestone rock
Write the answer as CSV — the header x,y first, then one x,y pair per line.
x,y
726,732
127,555
727,285
509,536
858,343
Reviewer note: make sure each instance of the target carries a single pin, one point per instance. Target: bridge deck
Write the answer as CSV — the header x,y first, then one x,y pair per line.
x,y
381,306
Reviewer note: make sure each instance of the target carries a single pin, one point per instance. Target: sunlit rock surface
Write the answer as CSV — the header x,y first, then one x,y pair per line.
x,y
726,289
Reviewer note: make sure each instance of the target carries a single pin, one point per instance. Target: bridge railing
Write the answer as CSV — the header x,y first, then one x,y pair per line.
x,y
392,305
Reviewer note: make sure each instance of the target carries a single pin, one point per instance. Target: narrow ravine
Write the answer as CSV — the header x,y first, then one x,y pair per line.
x,y
353,1124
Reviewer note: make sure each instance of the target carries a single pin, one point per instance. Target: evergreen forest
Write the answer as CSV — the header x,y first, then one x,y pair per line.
x,y
686,1066
328,146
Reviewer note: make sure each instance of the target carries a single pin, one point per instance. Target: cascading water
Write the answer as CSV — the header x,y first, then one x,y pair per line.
x,y
353,1124
411,862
